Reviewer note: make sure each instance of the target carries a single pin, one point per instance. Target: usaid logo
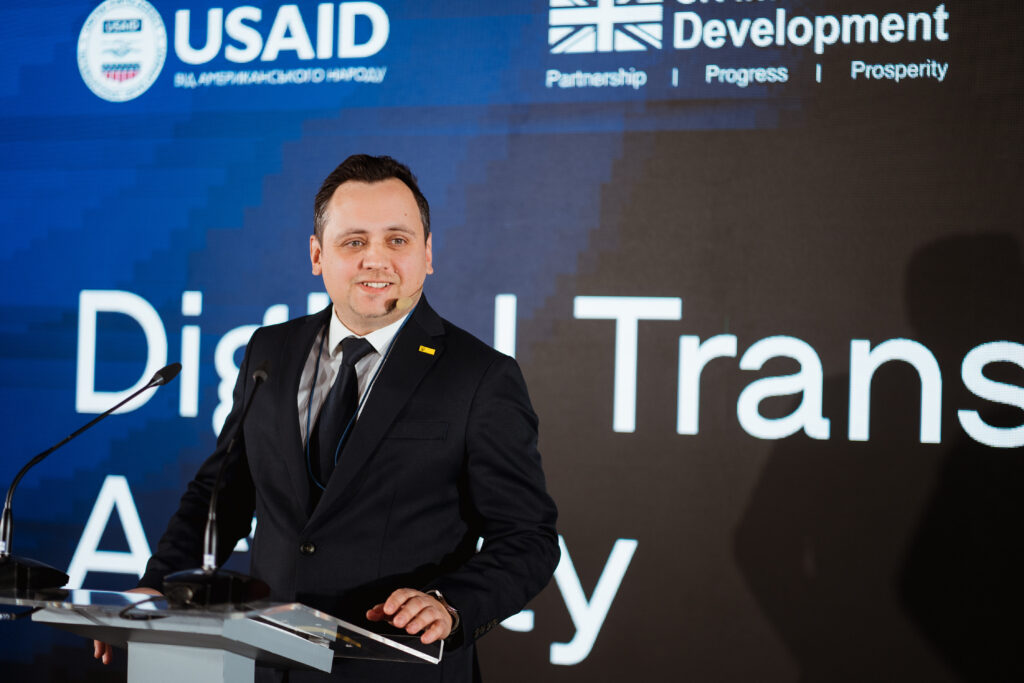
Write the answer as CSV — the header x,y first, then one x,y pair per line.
x,y
122,26
121,49
580,26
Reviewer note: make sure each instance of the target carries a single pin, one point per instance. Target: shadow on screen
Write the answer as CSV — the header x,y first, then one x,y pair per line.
x,y
892,559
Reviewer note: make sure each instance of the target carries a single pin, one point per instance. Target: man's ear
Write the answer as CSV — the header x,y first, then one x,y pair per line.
x,y
315,252
430,256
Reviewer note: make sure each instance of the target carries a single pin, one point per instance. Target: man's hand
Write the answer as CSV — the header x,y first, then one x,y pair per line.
x,y
414,611
103,651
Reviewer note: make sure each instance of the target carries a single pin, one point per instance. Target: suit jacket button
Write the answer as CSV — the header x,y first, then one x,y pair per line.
x,y
307,548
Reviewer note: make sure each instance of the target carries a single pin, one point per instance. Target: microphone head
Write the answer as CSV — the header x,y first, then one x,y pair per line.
x,y
165,374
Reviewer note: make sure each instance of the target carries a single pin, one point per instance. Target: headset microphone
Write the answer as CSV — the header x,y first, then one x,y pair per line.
x,y
404,303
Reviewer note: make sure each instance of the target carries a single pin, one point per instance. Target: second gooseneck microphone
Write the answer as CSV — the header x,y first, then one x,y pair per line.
x,y
209,585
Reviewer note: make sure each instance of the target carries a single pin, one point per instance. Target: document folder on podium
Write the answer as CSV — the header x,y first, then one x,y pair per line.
x,y
215,644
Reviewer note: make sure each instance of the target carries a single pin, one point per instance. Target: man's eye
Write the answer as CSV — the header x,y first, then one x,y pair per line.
x,y
354,243
398,240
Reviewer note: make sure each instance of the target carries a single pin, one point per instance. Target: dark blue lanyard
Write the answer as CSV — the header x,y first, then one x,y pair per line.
x,y
362,400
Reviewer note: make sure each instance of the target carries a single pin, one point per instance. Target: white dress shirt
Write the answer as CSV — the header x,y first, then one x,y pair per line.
x,y
330,361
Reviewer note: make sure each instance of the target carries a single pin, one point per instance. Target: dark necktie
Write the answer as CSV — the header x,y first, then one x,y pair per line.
x,y
339,407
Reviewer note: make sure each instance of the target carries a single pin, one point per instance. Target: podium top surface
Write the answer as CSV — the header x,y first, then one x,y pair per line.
x,y
124,617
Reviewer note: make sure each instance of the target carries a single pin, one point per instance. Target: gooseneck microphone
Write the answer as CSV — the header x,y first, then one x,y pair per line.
x,y
209,585
24,574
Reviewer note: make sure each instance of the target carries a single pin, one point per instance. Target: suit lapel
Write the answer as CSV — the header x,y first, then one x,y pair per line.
x,y
402,372
293,359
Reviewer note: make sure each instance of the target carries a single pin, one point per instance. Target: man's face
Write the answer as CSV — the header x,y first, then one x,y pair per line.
x,y
373,253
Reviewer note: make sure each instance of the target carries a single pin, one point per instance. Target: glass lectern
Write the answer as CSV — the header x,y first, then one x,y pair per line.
x,y
214,644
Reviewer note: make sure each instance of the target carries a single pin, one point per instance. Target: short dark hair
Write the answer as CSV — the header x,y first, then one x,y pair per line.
x,y
367,169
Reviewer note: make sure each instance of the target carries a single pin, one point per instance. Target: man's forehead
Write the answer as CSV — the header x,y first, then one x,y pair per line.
x,y
390,194
387,205
392,186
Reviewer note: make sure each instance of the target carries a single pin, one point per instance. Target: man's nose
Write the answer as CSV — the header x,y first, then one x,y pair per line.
x,y
375,255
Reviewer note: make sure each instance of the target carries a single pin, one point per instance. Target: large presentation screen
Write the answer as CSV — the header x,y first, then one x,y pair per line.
x,y
760,263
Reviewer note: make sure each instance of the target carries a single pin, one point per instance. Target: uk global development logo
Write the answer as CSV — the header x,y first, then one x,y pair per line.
x,y
121,49
590,26
582,26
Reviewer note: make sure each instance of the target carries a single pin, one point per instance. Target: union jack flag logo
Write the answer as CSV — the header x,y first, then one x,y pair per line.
x,y
604,25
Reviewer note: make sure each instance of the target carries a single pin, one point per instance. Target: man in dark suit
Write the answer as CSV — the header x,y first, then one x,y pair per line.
x,y
379,518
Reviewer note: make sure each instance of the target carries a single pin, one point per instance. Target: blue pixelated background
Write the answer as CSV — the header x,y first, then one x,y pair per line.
x,y
826,208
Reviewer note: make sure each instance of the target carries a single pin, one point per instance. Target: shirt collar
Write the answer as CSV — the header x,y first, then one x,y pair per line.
x,y
379,339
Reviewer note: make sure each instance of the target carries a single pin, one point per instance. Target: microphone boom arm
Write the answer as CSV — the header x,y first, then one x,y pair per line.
x,y
162,376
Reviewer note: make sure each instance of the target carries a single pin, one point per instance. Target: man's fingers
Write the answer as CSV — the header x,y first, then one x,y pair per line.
x,y
414,611
397,599
102,652
410,612
417,617
435,632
